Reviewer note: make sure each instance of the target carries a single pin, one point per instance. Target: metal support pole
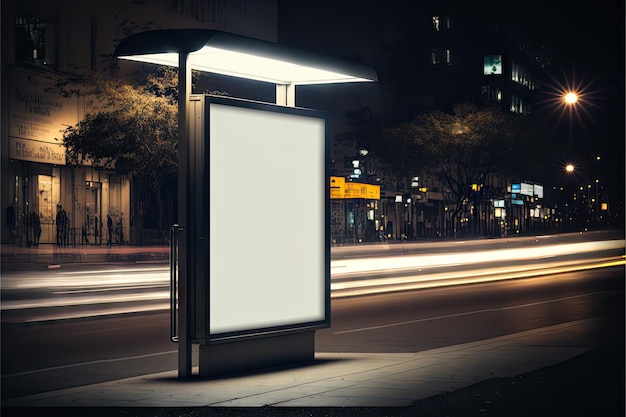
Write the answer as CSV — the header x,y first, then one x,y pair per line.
x,y
286,95
185,217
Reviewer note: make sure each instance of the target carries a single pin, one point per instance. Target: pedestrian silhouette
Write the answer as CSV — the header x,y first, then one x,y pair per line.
x,y
109,230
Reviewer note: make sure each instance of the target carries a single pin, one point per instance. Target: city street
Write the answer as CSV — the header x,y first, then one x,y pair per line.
x,y
41,352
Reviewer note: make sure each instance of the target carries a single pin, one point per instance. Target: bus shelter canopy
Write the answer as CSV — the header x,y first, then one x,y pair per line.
x,y
239,56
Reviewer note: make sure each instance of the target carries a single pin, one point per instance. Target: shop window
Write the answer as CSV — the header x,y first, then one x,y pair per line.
x,y
48,196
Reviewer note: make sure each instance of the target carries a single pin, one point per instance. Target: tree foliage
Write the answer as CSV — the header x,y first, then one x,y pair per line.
x,y
129,128
461,148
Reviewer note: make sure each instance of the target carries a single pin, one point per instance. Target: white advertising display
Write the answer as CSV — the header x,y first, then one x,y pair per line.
x,y
267,217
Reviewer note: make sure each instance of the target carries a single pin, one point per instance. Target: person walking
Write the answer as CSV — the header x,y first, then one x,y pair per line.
x,y
61,223
109,231
36,228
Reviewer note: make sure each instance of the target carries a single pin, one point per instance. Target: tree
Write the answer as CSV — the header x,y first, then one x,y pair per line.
x,y
132,129
461,148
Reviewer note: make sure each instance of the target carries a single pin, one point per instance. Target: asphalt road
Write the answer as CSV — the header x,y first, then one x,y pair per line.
x,y
42,356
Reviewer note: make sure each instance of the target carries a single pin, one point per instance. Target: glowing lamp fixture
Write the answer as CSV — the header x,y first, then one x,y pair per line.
x,y
571,98
240,56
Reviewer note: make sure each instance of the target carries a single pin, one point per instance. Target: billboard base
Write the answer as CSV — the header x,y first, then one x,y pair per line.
x,y
257,353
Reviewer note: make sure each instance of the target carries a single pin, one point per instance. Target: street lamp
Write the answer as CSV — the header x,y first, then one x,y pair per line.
x,y
570,98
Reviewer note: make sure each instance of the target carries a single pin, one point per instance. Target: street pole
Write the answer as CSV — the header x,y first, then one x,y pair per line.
x,y
186,218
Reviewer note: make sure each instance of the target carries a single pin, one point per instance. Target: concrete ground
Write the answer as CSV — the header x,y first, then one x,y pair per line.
x,y
556,370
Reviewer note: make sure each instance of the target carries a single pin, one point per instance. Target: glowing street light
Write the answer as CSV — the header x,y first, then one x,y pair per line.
x,y
571,98
569,168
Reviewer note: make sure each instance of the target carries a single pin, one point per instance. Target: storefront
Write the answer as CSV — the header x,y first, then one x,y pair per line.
x,y
44,200
355,214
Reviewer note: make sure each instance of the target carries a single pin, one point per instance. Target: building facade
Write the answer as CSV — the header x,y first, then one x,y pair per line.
x,y
44,200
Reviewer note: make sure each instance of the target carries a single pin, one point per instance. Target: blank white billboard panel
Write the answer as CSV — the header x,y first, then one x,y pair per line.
x,y
267,217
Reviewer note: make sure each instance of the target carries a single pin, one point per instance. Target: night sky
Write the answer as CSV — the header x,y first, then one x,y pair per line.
x,y
585,38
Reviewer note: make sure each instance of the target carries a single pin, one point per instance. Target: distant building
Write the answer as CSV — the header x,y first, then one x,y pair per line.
x,y
430,57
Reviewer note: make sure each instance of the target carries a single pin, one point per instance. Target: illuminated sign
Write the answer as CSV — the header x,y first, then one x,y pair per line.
x,y
37,118
526,189
269,267
516,188
340,189
337,187
492,65
36,151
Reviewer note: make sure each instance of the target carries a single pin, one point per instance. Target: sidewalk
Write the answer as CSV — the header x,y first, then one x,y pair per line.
x,y
422,383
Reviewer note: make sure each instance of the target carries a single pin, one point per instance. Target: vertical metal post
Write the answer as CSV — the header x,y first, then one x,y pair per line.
x,y
286,94
186,219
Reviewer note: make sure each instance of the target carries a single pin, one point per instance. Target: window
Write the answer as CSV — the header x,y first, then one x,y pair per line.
x,y
492,65
30,40
434,57
490,93
448,61
514,101
436,23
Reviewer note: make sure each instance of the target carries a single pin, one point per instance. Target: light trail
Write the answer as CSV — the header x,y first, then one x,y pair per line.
x,y
127,290
356,267
422,281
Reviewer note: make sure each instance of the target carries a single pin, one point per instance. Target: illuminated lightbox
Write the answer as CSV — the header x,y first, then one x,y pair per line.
x,y
492,65
526,189
268,256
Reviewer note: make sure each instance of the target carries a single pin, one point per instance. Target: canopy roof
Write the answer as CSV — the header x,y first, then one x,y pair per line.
x,y
240,56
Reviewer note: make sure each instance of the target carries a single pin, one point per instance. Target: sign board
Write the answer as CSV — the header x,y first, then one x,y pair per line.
x,y
37,118
36,151
526,189
492,65
340,189
269,265
337,187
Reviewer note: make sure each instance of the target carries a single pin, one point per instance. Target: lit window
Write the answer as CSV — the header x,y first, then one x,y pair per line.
x,y
448,61
29,39
436,23
434,57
